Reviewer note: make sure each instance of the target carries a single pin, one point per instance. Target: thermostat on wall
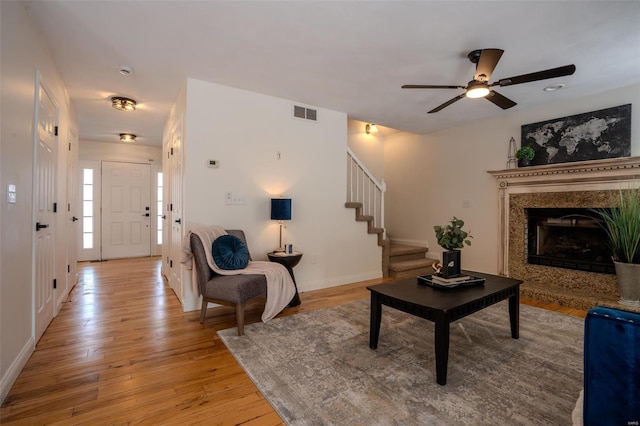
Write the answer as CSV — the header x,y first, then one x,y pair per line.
x,y
213,163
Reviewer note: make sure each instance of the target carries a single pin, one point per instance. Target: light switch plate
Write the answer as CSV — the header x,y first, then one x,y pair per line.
x,y
11,194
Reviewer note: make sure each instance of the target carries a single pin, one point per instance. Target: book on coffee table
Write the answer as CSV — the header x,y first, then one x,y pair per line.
x,y
443,280
436,281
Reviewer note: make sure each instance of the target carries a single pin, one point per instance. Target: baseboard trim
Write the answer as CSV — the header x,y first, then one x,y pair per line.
x,y
15,368
334,282
192,305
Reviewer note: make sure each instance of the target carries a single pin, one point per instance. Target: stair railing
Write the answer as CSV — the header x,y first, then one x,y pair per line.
x,y
363,187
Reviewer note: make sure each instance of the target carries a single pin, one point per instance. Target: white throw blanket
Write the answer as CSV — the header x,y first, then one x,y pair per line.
x,y
280,287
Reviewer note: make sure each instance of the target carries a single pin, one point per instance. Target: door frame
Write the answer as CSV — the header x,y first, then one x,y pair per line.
x,y
95,254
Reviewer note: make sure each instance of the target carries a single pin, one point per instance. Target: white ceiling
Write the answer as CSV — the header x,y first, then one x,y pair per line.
x,y
349,56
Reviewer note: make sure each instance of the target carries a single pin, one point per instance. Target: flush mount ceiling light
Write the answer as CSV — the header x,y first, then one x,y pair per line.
x,y
554,87
125,70
127,137
123,104
370,128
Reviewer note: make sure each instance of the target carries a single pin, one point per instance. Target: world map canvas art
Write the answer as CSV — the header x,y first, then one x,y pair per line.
x,y
590,136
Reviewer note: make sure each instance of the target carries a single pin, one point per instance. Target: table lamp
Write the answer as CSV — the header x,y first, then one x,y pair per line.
x,y
280,211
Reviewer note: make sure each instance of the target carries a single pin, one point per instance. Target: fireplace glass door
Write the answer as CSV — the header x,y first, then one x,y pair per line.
x,y
567,238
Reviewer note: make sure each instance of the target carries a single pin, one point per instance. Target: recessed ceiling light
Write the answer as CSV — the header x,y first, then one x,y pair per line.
x,y
553,87
125,70
127,137
123,104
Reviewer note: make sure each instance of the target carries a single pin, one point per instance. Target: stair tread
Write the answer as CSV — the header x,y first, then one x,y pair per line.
x,y
410,264
352,204
400,249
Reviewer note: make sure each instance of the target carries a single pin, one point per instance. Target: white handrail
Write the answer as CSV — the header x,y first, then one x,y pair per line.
x,y
364,188
366,171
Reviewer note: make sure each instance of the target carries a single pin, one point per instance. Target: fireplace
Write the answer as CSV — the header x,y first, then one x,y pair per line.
x,y
568,238
524,192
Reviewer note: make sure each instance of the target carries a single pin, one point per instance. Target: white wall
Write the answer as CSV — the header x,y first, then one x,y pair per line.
x,y
245,131
429,177
23,53
128,153
369,148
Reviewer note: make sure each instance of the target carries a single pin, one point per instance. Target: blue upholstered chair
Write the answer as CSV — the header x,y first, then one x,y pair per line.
x,y
611,368
233,290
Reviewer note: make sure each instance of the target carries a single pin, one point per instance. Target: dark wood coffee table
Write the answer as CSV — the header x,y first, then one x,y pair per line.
x,y
443,307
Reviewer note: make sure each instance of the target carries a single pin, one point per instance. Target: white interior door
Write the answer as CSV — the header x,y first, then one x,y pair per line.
x,y
44,193
126,210
73,214
175,213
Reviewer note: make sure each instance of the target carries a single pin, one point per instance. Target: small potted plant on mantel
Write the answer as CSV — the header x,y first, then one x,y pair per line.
x,y
524,155
622,225
452,238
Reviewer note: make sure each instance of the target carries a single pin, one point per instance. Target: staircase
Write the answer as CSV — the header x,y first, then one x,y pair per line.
x,y
372,229
366,195
408,261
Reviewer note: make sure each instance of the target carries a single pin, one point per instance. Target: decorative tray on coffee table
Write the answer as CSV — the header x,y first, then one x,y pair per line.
x,y
439,282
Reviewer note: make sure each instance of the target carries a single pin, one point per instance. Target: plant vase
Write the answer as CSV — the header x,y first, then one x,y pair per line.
x,y
524,162
628,276
450,264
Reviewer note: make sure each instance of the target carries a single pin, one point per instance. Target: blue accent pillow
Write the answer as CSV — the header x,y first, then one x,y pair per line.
x,y
230,253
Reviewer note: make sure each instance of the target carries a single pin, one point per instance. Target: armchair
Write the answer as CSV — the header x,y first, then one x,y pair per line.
x,y
231,290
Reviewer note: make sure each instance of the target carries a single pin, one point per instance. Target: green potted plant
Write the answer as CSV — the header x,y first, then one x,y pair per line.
x,y
622,225
452,238
524,155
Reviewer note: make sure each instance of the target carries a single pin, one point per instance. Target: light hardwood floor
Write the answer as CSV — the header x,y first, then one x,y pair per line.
x,y
121,351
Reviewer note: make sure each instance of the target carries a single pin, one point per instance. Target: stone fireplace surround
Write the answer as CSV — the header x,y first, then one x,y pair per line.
x,y
580,184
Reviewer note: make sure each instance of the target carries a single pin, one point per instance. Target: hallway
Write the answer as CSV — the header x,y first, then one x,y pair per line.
x,y
121,351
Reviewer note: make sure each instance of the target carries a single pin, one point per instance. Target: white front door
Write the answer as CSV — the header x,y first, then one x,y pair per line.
x,y
126,210
44,196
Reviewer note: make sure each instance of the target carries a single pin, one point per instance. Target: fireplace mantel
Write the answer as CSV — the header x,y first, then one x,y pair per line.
x,y
598,175
615,169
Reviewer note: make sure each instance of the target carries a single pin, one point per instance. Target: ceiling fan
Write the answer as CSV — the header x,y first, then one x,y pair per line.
x,y
486,61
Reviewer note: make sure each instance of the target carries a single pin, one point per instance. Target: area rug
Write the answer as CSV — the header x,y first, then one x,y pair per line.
x,y
317,368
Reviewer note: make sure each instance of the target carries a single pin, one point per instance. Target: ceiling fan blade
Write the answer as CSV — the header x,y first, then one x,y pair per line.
x,y
446,104
535,76
430,86
501,101
487,63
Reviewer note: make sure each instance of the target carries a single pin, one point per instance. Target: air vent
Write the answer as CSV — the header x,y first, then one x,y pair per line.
x,y
298,111
305,113
311,114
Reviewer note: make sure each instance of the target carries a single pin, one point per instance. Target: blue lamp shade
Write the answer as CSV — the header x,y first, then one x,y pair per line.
x,y
281,209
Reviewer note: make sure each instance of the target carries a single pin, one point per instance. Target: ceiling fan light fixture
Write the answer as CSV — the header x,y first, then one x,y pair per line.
x,y
127,137
123,104
477,89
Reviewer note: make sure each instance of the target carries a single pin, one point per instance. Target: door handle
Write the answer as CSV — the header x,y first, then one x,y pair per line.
x,y
178,220
40,226
164,216
146,215
74,218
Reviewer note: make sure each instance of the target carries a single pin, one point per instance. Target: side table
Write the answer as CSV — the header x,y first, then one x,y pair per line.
x,y
289,261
